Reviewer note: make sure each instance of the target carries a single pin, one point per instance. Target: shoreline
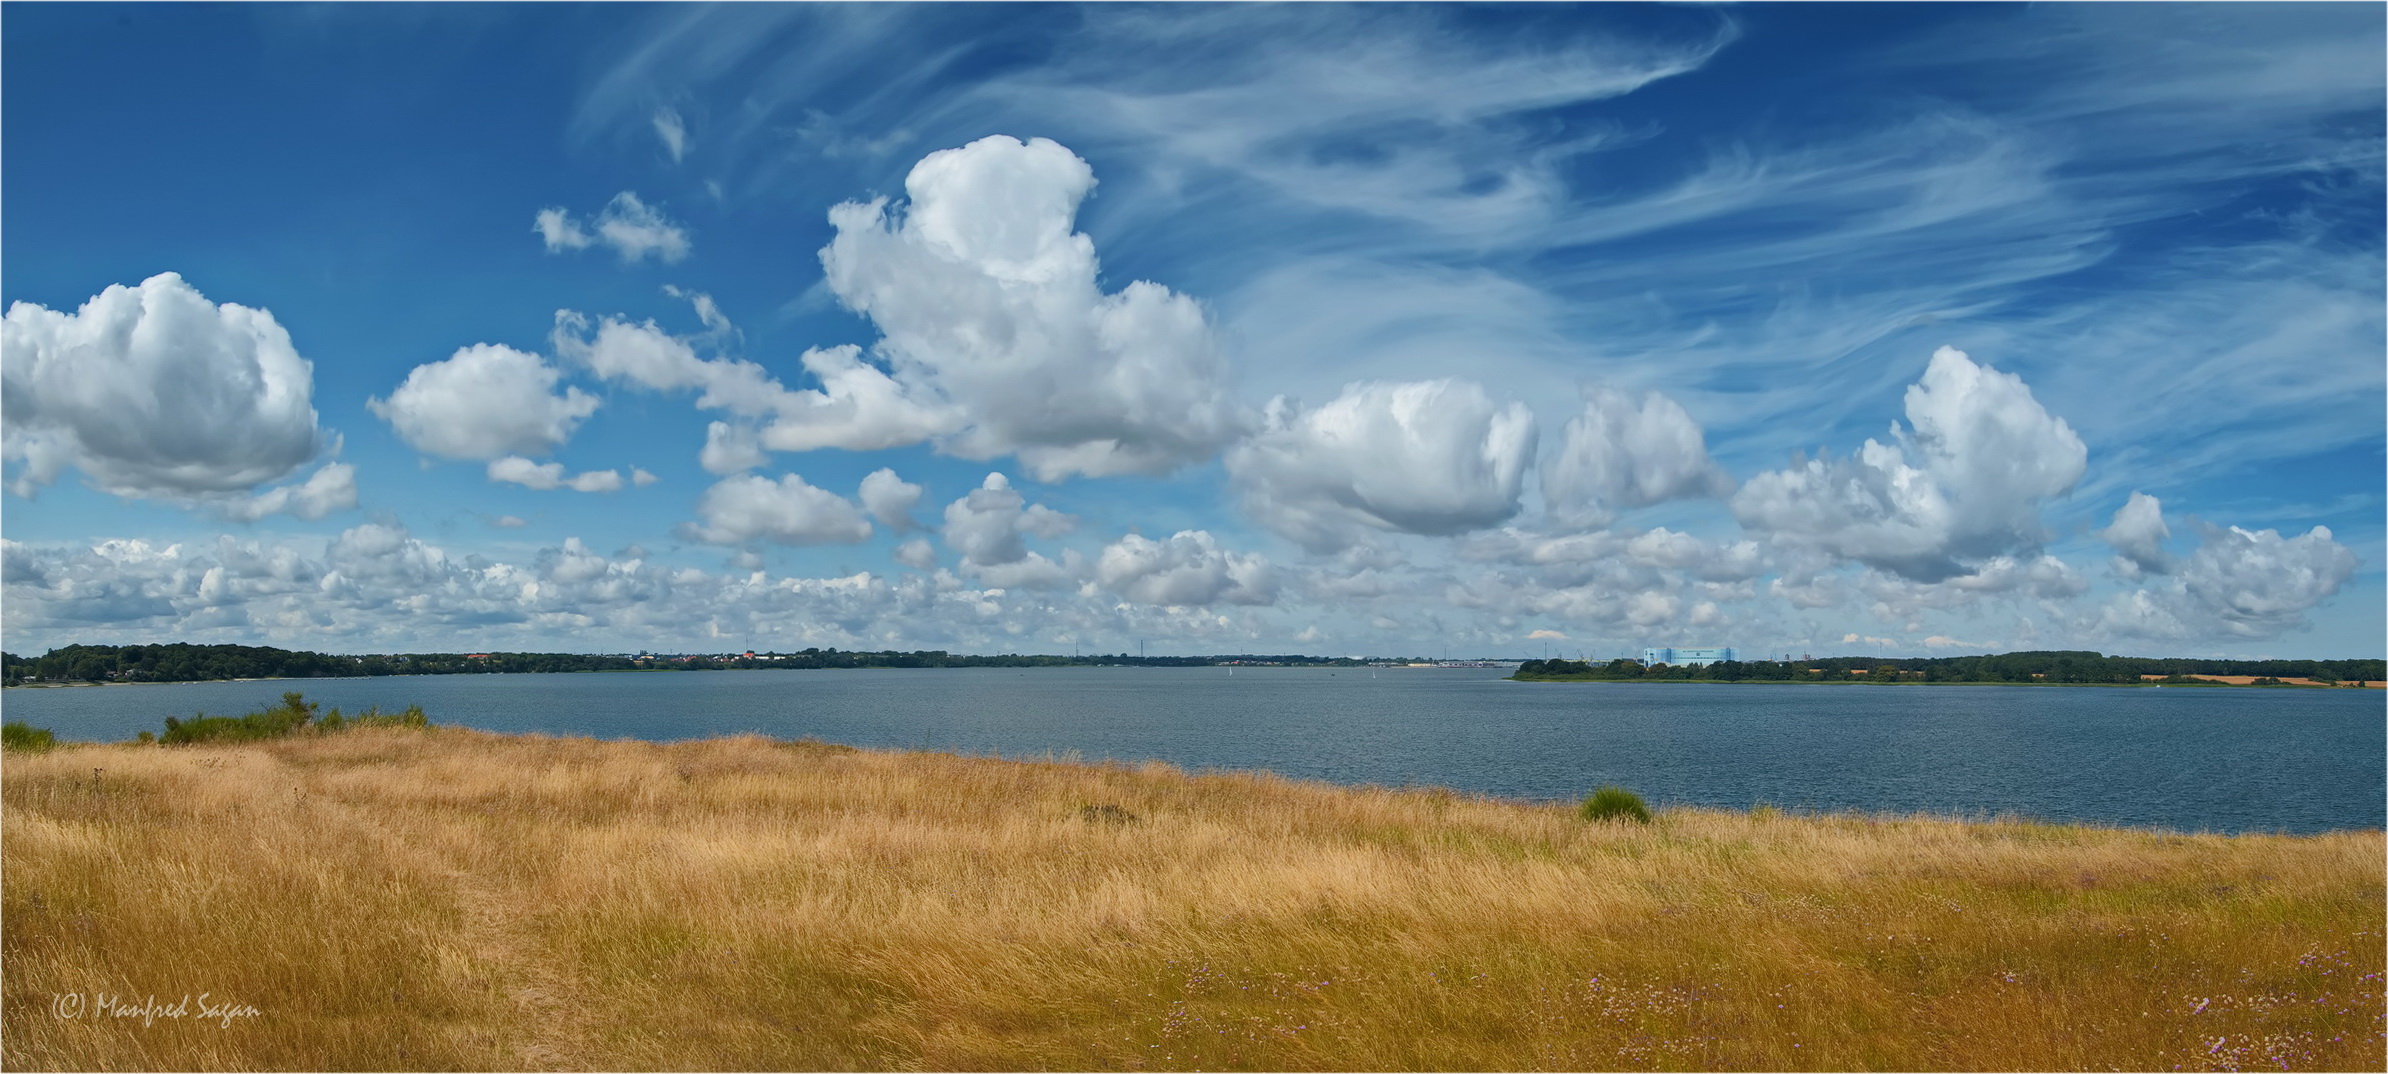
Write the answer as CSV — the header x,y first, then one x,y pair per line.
x,y
190,682
2201,685
1072,757
2366,685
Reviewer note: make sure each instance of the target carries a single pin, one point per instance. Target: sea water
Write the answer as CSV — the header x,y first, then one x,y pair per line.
x,y
2184,759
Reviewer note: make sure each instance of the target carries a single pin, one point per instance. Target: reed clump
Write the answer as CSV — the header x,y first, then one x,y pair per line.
x,y
441,898
295,715
19,735
1614,803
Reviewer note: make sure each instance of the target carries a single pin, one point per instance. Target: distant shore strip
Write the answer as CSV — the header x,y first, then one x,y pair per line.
x,y
183,662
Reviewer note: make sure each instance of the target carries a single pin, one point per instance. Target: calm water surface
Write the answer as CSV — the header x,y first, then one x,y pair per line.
x,y
2182,759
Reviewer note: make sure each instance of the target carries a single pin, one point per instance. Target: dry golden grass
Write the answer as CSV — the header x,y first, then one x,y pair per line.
x,y
2244,680
451,899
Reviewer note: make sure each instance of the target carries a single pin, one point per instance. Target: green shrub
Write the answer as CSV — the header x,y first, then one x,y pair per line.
x,y
16,735
294,715
277,722
411,716
1615,803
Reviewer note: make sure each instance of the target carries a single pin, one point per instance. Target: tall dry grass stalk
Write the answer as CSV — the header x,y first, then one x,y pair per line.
x,y
451,899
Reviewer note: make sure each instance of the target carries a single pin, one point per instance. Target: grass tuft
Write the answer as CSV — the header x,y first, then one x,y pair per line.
x,y
1108,813
1614,803
25,738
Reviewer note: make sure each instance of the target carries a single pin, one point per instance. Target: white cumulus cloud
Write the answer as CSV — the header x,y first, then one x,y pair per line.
x,y
632,228
989,527
730,449
647,355
2042,580
858,406
988,305
750,507
1716,561
917,553
996,338
378,587
549,476
2239,583
1618,454
153,391
1963,484
484,401
2137,535
331,488
1658,585
1187,569
890,499
1431,457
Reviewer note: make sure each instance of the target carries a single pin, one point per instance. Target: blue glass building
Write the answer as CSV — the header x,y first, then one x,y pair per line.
x,y
1687,657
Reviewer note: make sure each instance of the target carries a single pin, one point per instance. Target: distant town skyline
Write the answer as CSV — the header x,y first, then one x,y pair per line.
x,y
1902,330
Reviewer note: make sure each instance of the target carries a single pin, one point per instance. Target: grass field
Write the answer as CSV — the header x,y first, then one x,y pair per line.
x,y
450,899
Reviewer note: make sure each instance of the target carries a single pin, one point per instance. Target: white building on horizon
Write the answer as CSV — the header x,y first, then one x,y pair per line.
x,y
1697,657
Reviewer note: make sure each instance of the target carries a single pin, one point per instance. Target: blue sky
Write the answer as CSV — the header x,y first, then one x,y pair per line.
x,y
1901,329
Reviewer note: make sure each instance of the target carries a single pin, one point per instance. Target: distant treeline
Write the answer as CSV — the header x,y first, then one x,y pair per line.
x,y
201,663
2052,666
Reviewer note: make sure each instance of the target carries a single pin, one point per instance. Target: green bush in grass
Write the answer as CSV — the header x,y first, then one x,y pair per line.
x,y
411,716
294,715
17,735
1615,803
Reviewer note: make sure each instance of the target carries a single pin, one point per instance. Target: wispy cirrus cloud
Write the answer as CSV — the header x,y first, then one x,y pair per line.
x,y
1408,323
1410,198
